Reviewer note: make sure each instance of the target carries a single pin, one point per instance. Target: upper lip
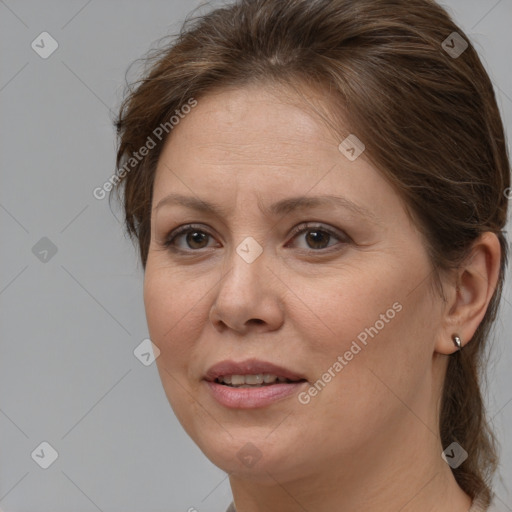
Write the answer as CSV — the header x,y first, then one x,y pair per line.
x,y
249,367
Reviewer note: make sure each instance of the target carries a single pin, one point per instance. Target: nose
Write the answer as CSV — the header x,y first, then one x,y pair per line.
x,y
248,297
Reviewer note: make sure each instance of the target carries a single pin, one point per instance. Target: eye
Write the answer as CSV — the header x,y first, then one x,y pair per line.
x,y
318,236
195,238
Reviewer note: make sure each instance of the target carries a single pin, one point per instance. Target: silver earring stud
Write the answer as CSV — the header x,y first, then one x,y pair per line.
x,y
457,342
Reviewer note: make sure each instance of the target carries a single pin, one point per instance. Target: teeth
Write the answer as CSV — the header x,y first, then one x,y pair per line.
x,y
251,380
236,380
254,379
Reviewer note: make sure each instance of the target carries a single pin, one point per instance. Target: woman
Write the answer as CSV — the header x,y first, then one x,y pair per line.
x,y
318,191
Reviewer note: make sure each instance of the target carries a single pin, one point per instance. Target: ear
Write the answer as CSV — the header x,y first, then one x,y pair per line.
x,y
468,295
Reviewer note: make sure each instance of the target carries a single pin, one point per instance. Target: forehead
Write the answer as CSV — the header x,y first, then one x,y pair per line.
x,y
238,129
267,124
251,142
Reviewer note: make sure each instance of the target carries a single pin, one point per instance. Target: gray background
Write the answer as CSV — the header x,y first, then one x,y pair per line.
x,y
69,325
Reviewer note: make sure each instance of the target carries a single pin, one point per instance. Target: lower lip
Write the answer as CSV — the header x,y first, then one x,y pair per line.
x,y
251,398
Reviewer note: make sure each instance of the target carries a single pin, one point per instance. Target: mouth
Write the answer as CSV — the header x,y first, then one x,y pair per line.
x,y
251,383
253,380
251,372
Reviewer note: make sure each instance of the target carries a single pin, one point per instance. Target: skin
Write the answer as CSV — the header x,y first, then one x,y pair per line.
x,y
369,440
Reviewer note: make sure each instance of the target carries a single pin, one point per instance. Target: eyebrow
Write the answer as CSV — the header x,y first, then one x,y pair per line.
x,y
281,207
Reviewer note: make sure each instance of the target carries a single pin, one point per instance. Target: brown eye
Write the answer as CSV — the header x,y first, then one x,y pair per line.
x,y
196,238
317,237
193,239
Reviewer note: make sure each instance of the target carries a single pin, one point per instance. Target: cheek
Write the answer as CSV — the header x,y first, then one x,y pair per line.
x,y
170,309
348,307
365,327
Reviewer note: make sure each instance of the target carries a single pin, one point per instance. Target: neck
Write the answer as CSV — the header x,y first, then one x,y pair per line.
x,y
401,470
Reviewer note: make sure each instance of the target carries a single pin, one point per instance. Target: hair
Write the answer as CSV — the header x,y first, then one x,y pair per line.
x,y
429,121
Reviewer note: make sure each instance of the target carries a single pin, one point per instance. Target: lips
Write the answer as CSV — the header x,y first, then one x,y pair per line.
x,y
250,367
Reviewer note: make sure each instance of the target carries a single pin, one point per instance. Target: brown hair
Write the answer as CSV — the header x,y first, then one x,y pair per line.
x,y
429,121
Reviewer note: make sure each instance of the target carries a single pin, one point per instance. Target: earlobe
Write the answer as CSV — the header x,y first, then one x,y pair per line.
x,y
450,345
476,281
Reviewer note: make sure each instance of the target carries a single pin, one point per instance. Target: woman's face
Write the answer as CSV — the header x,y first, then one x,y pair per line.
x,y
336,291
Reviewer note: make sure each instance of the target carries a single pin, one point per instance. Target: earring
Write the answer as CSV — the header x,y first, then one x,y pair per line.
x,y
457,342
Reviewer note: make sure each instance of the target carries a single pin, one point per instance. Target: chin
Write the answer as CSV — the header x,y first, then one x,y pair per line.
x,y
249,453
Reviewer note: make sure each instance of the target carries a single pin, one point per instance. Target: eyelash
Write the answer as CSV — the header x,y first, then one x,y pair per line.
x,y
301,228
